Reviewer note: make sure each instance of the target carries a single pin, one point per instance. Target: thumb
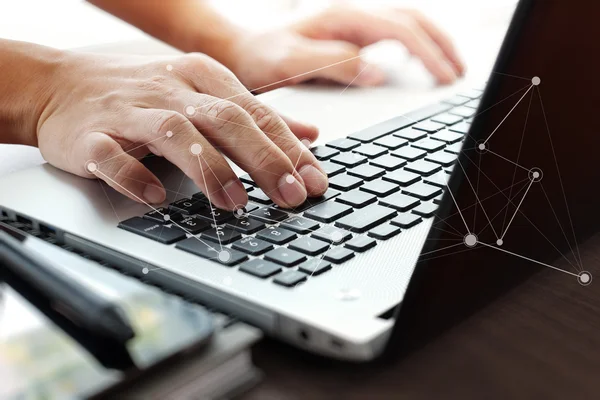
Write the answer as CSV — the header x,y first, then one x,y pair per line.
x,y
338,61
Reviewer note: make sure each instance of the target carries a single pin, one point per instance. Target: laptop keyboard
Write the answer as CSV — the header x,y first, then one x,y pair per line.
x,y
383,180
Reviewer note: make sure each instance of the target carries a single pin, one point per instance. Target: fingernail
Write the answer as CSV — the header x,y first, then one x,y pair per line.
x,y
291,190
234,194
154,194
316,182
371,75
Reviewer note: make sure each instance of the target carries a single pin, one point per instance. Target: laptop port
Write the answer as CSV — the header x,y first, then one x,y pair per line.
x,y
337,343
47,229
24,220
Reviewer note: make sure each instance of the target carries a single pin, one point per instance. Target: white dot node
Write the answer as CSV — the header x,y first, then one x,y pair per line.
x,y
167,217
239,212
224,256
470,239
584,278
144,271
190,111
290,179
169,67
336,237
499,242
169,133
536,80
92,166
196,149
535,174
481,146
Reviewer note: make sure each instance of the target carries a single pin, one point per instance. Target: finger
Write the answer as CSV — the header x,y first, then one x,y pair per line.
x,y
313,178
182,144
441,39
105,159
234,132
307,133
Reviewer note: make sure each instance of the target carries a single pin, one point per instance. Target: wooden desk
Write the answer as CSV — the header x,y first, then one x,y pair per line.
x,y
539,341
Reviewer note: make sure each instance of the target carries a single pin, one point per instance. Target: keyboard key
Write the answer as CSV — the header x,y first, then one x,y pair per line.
x,y
309,245
447,119
349,160
158,215
428,126
366,172
391,142
409,153
439,179
463,128
187,206
215,215
328,211
338,255
212,252
152,230
426,210
190,224
247,179
290,278
260,268
429,145
443,158
400,202
221,234
447,136
332,235
422,191
388,162
201,197
406,220
368,218
384,232
285,257
356,198
332,169
276,235
422,167
300,225
472,93
380,188
383,128
252,246
464,112
269,215
361,243
245,225
345,182
427,112
370,150
248,187
313,201
402,178
438,200
410,134
343,144
259,196
323,153
473,104
457,100
314,266
454,149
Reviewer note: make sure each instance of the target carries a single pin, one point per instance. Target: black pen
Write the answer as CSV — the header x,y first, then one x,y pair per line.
x,y
82,306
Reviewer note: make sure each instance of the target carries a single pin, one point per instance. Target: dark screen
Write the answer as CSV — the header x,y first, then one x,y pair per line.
x,y
533,182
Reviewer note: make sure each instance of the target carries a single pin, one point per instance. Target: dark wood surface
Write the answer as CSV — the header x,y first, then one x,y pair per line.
x,y
541,340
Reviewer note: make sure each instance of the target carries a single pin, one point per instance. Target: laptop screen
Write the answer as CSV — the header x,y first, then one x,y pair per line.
x,y
521,195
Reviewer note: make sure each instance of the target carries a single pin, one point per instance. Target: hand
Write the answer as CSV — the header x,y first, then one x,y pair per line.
x,y
106,113
329,44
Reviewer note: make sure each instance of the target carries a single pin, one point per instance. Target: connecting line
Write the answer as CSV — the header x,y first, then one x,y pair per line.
x,y
528,259
506,159
511,110
130,150
517,210
156,210
457,208
355,78
210,205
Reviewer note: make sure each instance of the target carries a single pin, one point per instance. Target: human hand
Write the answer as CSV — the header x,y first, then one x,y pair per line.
x,y
327,45
105,113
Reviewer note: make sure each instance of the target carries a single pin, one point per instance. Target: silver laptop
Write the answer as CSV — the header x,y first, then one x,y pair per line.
x,y
343,274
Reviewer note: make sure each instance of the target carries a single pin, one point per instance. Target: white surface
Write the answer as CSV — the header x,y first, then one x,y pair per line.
x,y
477,28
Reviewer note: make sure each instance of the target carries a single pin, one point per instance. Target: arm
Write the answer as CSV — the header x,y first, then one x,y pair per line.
x,y
189,25
27,70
